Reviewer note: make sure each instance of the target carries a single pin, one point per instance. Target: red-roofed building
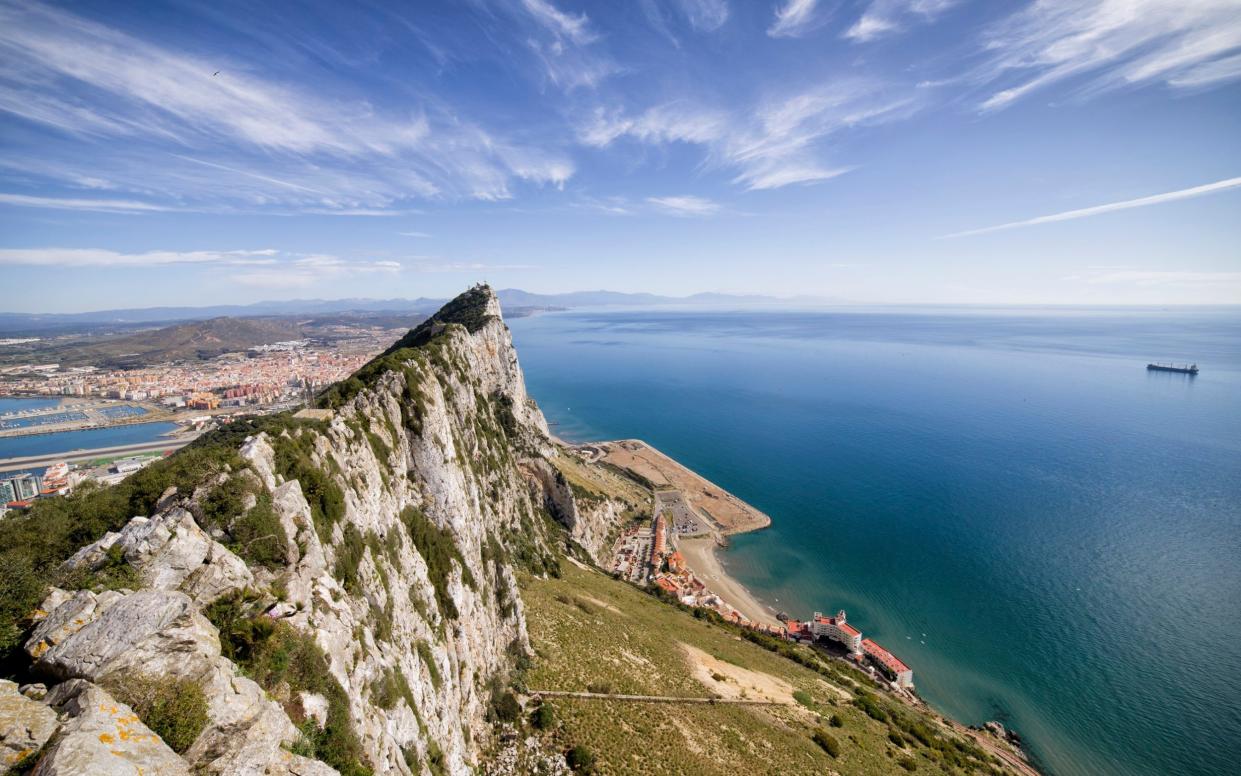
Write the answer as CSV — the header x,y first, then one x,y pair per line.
x,y
798,630
657,543
888,663
837,629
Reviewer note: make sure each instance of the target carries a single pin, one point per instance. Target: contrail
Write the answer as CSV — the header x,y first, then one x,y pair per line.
x,y
1154,199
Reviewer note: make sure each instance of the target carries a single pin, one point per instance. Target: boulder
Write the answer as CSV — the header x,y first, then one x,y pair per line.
x,y
170,552
65,615
246,731
25,726
148,631
103,737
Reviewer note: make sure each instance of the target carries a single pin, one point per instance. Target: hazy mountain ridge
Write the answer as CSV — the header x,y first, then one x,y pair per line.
x,y
511,298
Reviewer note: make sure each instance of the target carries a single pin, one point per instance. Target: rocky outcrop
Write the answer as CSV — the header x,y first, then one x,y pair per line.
x,y
25,726
591,524
103,737
170,552
405,517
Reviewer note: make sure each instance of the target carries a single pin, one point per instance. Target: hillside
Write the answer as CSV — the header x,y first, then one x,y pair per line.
x,y
196,340
592,632
380,589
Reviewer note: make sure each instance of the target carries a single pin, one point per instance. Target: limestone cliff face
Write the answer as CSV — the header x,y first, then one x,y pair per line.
x,y
431,489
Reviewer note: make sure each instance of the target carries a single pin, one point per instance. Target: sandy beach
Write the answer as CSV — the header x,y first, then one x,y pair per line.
x,y
700,556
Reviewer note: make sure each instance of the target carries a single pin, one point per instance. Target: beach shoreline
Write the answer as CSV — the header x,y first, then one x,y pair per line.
x,y
702,559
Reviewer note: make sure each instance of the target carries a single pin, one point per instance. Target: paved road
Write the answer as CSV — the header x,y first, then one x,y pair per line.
x,y
36,461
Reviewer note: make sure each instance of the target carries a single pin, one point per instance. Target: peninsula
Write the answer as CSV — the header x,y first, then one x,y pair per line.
x,y
412,578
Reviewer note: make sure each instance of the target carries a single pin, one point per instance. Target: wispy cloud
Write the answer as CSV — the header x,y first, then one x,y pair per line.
x,y
470,266
1069,215
1113,43
563,43
705,15
99,257
575,27
775,144
413,234
76,203
794,18
888,17
266,268
291,145
687,205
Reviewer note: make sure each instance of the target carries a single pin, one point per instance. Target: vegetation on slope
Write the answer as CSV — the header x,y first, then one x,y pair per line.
x,y
589,630
468,309
285,662
195,340
35,544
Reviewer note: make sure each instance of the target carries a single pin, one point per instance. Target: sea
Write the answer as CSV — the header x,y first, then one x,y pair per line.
x,y
1048,533
66,441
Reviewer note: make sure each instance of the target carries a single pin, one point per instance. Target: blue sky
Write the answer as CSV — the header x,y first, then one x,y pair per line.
x,y
973,151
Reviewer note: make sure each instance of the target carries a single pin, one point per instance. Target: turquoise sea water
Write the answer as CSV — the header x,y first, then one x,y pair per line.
x,y
1046,532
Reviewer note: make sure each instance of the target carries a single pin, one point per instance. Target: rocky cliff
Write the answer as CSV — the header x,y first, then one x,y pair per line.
x,y
302,595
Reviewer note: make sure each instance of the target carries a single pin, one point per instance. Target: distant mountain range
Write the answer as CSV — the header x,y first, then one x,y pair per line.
x,y
510,298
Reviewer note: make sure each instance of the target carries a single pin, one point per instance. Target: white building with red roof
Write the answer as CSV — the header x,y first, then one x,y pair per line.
x,y
888,663
837,629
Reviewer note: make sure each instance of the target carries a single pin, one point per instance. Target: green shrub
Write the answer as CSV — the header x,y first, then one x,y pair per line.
x,y
391,687
580,759
827,741
803,697
348,558
504,704
428,659
294,462
543,717
258,535
908,763
114,573
867,703
438,551
286,661
175,709
836,721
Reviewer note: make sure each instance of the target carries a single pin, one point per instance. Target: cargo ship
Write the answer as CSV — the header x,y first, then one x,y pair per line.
x,y
1186,369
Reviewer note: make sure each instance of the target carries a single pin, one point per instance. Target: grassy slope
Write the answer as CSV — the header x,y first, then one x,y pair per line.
x,y
632,642
197,339
600,480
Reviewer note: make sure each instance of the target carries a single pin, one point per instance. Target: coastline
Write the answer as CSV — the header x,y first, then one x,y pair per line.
x,y
702,559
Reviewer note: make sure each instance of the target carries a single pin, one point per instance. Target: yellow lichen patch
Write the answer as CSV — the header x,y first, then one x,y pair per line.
x,y
105,738
39,649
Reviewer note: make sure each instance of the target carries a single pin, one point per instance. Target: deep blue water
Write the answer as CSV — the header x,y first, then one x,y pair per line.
x,y
1063,526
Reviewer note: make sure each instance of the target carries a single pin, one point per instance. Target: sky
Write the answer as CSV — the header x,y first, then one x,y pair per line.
x,y
885,151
